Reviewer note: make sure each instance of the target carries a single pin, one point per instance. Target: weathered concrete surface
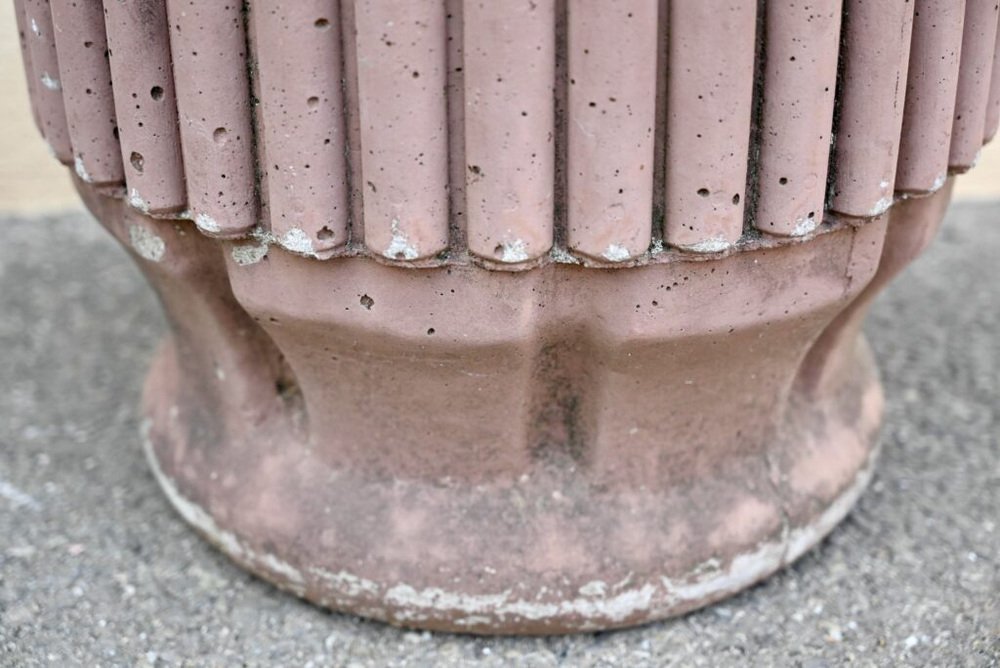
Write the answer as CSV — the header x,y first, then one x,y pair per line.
x,y
95,567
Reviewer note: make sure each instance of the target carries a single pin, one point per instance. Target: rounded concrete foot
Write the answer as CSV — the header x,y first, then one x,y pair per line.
x,y
552,551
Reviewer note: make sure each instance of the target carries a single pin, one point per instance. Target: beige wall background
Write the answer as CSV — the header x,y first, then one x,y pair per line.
x,y
32,182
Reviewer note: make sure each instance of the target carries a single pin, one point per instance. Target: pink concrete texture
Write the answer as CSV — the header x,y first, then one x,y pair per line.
x,y
522,317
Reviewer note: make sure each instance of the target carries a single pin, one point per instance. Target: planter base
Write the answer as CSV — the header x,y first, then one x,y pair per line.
x,y
556,450
517,557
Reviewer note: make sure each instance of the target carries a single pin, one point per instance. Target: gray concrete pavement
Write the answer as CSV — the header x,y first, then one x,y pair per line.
x,y
96,569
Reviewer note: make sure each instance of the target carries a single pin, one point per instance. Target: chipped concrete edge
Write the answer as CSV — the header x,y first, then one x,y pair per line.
x,y
146,244
399,247
590,607
248,254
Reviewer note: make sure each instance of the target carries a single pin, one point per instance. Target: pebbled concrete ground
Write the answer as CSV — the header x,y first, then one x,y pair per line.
x,y
96,569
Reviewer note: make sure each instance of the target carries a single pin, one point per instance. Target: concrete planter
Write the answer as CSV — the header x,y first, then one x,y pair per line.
x,y
514,317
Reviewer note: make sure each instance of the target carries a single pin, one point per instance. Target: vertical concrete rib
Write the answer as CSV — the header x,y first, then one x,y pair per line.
x,y
29,72
301,121
711,49
875,58
145,105
974,76
401,75
208,44
800,80
47,85
82,46
611,127
930,96
510,127
993,110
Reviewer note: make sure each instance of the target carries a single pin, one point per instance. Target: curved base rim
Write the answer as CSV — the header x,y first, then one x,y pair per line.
x,y
594,604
